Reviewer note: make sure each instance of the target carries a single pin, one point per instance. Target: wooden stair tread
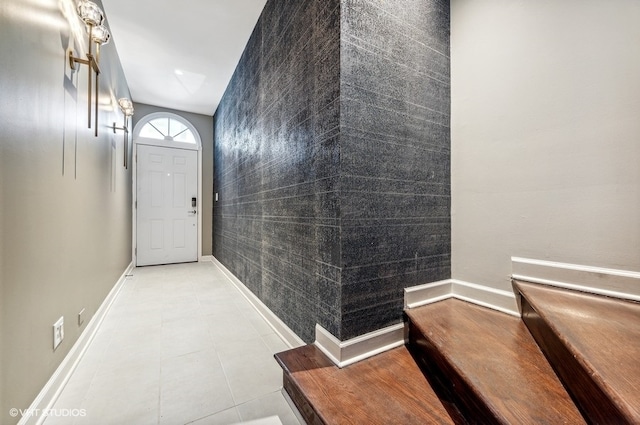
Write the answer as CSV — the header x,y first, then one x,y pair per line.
x,y
387,388
601,334
494,360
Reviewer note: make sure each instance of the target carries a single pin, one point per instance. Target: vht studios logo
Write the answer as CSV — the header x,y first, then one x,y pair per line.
x,y
60,413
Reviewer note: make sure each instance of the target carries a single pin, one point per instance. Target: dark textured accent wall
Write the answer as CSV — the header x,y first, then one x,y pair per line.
x,y
332,161
276,222
395,156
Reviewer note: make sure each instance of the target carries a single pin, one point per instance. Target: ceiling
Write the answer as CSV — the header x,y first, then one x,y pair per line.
x,y
181,55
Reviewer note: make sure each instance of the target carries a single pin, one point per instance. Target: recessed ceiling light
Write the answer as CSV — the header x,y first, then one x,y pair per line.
x,y
179,72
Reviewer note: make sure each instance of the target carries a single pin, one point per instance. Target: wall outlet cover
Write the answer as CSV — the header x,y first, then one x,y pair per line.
x,y
81,317
58,332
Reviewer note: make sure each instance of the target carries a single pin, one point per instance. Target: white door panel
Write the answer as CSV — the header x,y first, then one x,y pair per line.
x,y
166,223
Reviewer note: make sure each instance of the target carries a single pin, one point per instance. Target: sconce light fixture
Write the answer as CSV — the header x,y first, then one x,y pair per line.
x,y
126,106
93,17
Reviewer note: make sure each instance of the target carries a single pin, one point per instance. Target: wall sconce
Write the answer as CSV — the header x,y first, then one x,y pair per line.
x,y
126,106
93,17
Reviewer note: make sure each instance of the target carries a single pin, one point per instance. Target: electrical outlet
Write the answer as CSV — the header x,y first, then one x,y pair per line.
x,y
58,332
81,317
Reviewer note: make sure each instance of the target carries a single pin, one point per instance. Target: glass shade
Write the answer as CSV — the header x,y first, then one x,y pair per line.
x,y
126,106
90,13
101,34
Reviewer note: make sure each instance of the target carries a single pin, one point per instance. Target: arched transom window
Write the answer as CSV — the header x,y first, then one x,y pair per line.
x,y
167,128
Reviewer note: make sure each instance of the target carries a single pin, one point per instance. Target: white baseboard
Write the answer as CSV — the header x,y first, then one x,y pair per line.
x,y
623,284
602,281
416,296
344,353
279,327
53,388
206,259
341,353
495,299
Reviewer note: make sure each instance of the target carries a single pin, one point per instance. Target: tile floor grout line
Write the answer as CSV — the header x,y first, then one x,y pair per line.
x,y
148,297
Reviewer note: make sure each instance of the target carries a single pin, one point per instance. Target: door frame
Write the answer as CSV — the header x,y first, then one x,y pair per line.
x,y
165,144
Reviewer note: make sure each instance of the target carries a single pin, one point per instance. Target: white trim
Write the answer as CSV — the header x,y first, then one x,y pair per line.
x,y
344,353
199,208
340,353
167,144
134,203
279,327
206,259
428,293
495,299
53,388
596,280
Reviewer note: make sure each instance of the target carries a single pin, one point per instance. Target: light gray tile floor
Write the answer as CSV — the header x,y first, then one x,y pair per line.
x,y
179,345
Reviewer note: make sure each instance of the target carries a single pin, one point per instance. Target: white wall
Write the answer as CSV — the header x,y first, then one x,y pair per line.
x,y
545,134
65,197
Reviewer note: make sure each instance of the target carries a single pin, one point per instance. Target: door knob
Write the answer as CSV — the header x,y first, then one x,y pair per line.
x,y
192,212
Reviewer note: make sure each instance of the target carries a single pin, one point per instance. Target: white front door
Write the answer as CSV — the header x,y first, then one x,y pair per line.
x,y
167,207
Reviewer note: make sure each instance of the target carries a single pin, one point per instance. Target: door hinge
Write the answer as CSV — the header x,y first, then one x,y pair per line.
x,y
136,204
135,251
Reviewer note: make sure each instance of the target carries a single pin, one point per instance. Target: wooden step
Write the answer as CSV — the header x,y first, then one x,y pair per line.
x,y
385,389
489,365
593,343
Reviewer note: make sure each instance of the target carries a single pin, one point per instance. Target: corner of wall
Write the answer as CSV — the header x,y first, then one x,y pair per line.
x,y
344,353
495,299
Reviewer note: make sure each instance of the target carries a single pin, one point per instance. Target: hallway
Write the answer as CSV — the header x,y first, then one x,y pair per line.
x,y
179,345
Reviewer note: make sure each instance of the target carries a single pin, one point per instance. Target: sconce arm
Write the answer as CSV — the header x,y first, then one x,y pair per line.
x,y
114,128
73,60
90,61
